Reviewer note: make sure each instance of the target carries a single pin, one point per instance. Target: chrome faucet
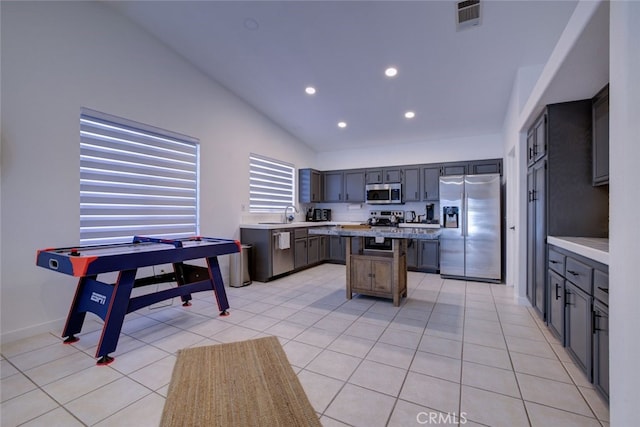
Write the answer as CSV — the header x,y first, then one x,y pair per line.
x,y
286,218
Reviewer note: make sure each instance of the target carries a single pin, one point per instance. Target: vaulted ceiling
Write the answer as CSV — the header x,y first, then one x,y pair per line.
x,y
457,82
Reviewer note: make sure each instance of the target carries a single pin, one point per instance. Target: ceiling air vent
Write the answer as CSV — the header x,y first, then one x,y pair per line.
x,y
467,14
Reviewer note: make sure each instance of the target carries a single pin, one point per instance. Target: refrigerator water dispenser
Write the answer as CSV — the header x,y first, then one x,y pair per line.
x,y
450,215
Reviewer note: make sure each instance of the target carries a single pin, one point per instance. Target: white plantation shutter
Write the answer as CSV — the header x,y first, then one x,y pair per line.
x,y
271,184
135,180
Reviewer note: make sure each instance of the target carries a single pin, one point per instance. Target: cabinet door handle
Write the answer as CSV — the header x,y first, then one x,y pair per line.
x,y
596,323
605,290
346,196
567,300
554,262
557,287
573,273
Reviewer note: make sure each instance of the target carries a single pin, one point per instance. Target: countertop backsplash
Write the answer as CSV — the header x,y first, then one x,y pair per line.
x,y
347,212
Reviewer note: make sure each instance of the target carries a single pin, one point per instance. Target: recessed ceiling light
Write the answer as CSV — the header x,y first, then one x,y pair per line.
x,y
409,115
391,72
342,125
310,90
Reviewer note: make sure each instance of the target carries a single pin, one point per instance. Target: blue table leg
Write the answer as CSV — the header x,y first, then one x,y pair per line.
x,y
115,316
76,316
218,285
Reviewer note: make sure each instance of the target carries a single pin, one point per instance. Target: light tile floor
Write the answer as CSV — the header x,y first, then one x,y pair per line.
x,y
453,353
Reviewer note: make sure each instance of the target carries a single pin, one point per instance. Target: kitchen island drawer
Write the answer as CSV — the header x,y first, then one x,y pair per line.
x,y
601,286
579,274
556,261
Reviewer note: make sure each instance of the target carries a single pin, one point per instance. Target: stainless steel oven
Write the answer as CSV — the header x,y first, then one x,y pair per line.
x,y
378,244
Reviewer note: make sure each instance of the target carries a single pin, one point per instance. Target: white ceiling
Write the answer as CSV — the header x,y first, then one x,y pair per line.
x,y
457,82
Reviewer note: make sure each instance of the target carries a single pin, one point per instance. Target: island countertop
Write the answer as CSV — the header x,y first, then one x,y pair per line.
x,y
390,232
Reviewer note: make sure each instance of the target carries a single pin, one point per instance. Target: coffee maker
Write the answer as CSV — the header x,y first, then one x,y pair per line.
x,y
430,212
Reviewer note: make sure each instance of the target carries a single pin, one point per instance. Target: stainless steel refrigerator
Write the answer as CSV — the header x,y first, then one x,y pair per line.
x,y
470,242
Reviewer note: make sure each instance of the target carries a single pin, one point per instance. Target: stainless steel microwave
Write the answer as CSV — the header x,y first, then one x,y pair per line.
x,y
380,194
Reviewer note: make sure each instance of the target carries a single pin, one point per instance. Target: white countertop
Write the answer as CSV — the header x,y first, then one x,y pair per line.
x,y
594,248
277,225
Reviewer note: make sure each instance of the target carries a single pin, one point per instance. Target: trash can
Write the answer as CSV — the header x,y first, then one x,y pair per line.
x,y
239,267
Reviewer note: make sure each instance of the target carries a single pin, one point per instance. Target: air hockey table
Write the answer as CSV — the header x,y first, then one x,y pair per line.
x,y
112,301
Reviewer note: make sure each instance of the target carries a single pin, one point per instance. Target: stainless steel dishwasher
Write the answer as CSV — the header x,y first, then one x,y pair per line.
x,y
281,252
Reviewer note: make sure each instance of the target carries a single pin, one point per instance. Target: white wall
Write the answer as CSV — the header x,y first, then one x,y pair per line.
x,y
60,56
624,203
469,148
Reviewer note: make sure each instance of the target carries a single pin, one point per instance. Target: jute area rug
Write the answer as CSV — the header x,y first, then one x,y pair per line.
x,y
246,383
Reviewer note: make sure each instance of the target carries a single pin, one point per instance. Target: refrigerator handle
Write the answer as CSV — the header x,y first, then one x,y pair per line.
x,y
463,215
466,215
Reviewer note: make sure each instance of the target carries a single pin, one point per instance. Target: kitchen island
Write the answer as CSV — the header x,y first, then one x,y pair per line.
x,y
380,273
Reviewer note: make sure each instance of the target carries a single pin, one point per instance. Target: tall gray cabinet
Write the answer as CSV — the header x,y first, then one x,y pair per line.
x,y
560,197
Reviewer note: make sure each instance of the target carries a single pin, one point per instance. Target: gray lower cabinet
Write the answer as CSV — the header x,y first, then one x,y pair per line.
x,y
578,326
412,254
429,256
337,251
601,347
313,250
555,315
423,255
578,313
300,249
300,253
323,249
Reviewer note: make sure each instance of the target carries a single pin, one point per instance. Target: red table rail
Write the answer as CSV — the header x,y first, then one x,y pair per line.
x,y
111,302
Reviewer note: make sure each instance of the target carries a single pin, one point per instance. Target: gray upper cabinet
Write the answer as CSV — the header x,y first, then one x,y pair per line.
x,y
392,175
479,167
537,140
310,186
419,182
431,183
600,111
383,175
354,186
374,176
333,186
457,168
411,187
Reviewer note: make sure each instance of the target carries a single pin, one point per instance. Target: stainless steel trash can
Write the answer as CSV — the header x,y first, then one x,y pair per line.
x,y
239,267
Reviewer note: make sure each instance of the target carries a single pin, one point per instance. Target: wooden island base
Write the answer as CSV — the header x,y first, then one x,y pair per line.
x,y
379,274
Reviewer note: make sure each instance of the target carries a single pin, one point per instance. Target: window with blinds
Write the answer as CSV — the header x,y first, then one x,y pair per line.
x,y
271,184
135,180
